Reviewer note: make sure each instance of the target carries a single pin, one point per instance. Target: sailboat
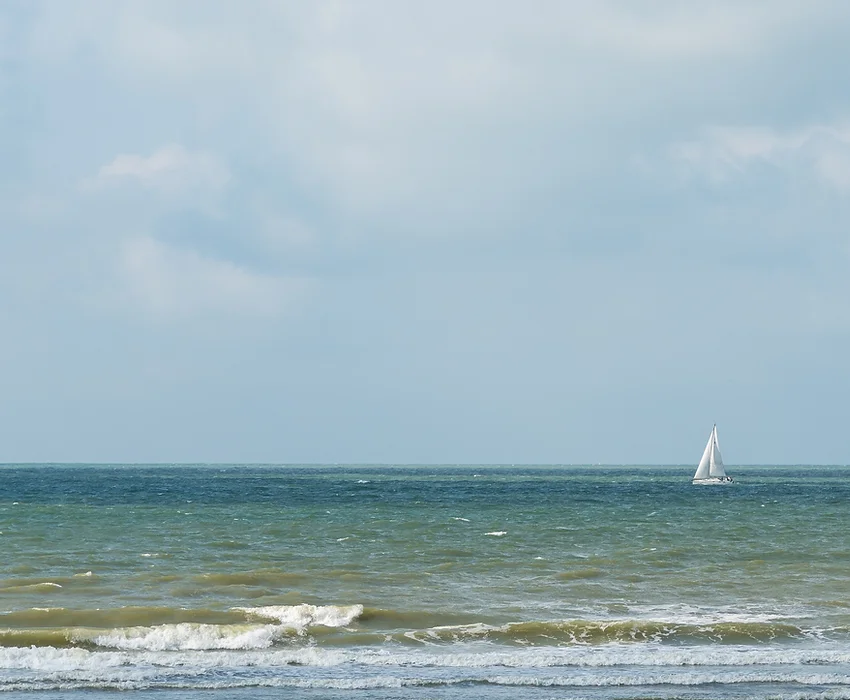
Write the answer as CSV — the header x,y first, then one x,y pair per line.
x,y
710,469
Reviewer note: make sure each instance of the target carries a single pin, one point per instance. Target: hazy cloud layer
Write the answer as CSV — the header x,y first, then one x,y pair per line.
x,y
437,232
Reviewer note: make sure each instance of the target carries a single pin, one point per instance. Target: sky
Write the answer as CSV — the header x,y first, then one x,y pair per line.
x,y
466,231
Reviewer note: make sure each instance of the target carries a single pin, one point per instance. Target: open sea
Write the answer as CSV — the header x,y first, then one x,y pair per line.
x,y
430,582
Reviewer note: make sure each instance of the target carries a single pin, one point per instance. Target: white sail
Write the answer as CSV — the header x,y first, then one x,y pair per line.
x,y
711,469
704,463
716,461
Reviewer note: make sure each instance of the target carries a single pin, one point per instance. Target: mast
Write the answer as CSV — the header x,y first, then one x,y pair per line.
x,y
716,461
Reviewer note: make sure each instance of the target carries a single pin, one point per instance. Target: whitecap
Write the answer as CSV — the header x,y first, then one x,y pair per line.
x,y
183,636
300,617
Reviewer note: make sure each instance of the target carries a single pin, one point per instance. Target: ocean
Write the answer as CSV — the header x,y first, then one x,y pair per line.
x,y
426,582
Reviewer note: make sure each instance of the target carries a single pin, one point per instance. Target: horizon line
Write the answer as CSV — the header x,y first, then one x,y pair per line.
x,y
400,464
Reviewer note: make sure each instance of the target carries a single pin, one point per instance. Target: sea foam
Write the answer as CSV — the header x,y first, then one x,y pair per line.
x,y
674,659
183,636
301,617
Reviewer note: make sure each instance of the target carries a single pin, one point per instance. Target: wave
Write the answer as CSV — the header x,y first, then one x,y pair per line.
x,y
18,585
123,678
397,620
262,627
130,616
303,616
177,629
610,666
590,632
299,617
470,658
205,636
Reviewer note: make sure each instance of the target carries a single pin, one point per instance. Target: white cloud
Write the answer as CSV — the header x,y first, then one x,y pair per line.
x,y
725,152
166,282
380,106
171,169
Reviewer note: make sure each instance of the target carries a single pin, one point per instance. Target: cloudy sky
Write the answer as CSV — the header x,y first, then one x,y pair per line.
x,y
466,231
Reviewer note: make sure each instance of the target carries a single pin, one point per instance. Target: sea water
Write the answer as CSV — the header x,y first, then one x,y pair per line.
x,y
188,581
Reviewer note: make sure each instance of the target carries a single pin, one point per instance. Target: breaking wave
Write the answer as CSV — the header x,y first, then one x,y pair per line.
x,y
159,628
349,647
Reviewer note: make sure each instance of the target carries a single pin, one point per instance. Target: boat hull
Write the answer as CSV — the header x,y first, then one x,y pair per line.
x,y
713,480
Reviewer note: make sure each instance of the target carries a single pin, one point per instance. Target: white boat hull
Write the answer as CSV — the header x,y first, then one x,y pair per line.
x,y
713,480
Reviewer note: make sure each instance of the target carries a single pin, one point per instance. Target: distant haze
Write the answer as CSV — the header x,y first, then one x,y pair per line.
x,y
467,231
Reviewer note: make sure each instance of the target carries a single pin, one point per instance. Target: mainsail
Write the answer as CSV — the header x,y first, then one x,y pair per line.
x,y
716,461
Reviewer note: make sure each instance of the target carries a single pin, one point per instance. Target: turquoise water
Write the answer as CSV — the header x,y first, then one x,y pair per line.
x,y
429,581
